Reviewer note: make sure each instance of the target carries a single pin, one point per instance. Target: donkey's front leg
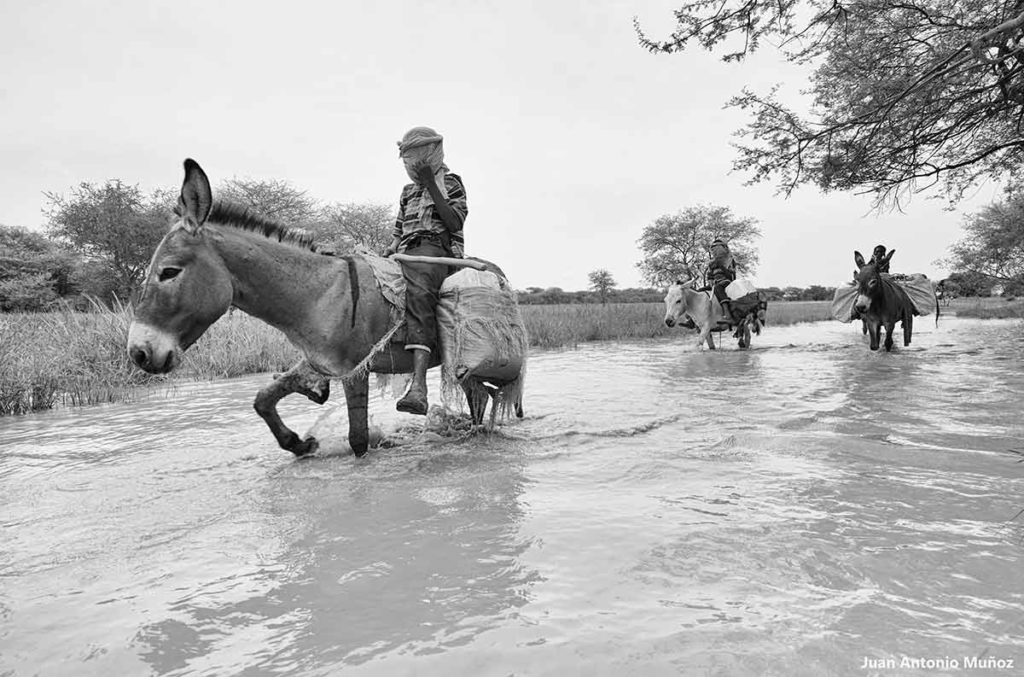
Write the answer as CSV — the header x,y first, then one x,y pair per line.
x,y
356,395
705,337
889,329
874,330
301,378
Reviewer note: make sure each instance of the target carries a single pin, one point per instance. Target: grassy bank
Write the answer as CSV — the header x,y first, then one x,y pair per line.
x,y
569,325
75,358
986,308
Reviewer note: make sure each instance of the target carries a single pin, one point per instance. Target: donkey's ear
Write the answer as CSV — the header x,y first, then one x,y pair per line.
x,y
196,198
858,259
889,255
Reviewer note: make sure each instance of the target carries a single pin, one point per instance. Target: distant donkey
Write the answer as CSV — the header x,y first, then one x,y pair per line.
x,y
882,302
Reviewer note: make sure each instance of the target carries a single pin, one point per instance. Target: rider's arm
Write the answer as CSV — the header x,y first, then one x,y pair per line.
x,y
451,219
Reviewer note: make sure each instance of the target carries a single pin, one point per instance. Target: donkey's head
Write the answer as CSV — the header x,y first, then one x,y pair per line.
x,y
187,286
675,302
869,281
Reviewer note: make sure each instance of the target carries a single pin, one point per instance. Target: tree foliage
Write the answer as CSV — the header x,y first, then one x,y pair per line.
x,y
905,94
113,223
34,271
677,246
345,226
601,282
275,199
967,284
993,242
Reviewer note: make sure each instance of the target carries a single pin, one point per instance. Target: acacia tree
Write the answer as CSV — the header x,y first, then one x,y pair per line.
x,y
905,95
677,246
113,225
993,242
602,282
344,226
273,198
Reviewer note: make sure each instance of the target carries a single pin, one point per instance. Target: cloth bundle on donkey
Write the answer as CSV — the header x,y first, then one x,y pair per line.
x,y
481,334
917,286
483,339
747,299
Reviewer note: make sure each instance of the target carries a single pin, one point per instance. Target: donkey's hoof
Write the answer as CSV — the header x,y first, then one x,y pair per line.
x,y
306,447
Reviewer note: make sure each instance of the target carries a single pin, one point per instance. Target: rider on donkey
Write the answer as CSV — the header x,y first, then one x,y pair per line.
x,y
721,271
431,213
879,259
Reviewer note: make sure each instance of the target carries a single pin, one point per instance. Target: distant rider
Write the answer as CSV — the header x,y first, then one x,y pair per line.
x,y
878,258
721,271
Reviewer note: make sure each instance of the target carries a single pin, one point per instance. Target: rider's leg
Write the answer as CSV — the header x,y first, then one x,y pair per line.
x,y
723,300
422,285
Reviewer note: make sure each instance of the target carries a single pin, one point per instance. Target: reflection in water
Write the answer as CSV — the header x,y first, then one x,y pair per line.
x,y
416,553
791,510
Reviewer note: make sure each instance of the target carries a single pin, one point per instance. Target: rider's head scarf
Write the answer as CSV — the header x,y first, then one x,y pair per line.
x,y
423,144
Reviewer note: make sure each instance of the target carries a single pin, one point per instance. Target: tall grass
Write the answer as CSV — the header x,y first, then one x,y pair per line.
x,y
65,356
78,358
986,308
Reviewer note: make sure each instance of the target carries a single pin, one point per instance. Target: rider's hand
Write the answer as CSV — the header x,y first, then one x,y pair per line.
x,y
390,251
422,169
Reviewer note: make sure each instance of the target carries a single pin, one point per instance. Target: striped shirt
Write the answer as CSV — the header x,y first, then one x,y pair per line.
x,y
408,222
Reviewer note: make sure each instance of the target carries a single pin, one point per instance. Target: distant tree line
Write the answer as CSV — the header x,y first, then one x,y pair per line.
x,y
99,239
556,295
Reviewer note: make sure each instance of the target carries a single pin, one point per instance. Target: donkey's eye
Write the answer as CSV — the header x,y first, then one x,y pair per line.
x,y
168,273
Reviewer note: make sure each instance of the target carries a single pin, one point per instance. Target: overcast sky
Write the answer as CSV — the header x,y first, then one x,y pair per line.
x,y
570,138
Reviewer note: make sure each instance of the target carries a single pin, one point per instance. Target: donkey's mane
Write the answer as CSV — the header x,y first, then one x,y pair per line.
x,y
241,217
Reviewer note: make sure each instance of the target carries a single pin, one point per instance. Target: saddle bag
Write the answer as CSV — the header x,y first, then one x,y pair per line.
x,y
480,329
755,302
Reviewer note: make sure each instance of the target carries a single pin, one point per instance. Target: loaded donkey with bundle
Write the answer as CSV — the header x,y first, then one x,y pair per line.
x,y
880,298
332,308
724,303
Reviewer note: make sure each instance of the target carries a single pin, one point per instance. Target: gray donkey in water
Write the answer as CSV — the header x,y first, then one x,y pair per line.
x,y
882,302
217,256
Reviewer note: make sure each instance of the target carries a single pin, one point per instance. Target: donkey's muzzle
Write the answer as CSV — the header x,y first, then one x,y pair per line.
x,y
151,349
670,322
140,357
143,358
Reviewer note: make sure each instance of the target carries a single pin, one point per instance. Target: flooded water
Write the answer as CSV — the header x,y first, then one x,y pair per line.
x,y
804,508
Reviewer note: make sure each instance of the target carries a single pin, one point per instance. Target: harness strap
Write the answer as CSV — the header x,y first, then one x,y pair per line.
x,y
353,281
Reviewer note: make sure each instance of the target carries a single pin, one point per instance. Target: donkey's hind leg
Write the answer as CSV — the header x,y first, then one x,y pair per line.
x,y
908,328
301,378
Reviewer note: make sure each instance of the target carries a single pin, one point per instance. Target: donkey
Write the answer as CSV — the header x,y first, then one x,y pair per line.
x,y
702,307
218,255
881,302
